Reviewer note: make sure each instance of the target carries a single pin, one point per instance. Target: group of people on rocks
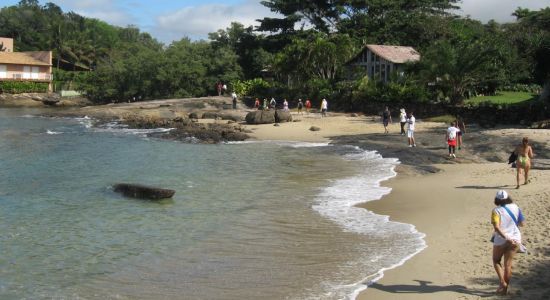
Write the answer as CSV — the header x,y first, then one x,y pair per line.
x,y
272,104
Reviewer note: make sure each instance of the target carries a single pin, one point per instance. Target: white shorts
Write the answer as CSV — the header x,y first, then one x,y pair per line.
x,y
410,133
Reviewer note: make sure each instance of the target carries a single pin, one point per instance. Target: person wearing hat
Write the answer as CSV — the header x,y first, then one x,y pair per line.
x,y
402,120
506,219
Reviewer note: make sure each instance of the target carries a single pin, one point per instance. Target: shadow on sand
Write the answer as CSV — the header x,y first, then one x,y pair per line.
x,y
425,287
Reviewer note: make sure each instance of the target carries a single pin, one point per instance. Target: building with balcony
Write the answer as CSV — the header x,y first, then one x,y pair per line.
x,y
33,66
379,61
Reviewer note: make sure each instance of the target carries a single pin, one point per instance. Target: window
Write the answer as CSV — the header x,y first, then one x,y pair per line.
x,y
3,71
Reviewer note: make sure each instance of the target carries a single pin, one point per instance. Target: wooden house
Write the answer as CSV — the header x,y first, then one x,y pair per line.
x,y
379,61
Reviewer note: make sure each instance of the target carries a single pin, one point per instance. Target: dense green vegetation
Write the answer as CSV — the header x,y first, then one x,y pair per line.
x,y
17,87
301,54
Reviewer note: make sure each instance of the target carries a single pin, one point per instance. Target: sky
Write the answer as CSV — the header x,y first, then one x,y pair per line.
x,y
169,20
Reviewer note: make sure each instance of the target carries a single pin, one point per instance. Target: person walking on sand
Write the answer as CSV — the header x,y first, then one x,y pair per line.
x,y
462,126
410,129
300,106
525,154
324,107
451,137
402,120
308,105
386,118
506,219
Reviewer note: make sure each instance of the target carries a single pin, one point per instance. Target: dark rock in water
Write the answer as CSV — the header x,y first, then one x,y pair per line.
x,y
142,191
282,116
314,128
261,117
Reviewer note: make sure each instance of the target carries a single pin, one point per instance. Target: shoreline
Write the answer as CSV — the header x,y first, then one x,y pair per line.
x,y
456,262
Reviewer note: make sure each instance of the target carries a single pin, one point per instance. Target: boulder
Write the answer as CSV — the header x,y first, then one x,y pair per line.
x,y
210,115
314,128
194,115
282,116
232,117
260,117
143,191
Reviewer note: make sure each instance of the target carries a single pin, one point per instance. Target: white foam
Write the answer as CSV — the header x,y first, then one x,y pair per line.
x,y
53,132
117,128
338,201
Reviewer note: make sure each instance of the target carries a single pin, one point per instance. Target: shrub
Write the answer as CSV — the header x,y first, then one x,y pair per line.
x,y
18,87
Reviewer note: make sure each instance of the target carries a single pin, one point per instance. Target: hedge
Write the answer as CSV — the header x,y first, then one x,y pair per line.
x,y
18,87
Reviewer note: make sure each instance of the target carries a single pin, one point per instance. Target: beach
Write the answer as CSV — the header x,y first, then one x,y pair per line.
x,y
448,200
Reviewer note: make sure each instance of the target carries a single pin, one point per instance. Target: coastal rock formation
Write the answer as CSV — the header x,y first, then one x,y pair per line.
x,y
211,115
282,116
260,117
143,191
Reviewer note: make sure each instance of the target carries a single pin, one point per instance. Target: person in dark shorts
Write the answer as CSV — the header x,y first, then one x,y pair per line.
x,y
386,118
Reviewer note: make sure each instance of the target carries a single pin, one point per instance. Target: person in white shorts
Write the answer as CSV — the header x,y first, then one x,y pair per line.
x,y
506,218
410,130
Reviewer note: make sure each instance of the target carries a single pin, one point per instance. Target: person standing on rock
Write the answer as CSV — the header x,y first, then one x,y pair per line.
x,y
285,105
257,103
273,103
234,98
219,88
264,106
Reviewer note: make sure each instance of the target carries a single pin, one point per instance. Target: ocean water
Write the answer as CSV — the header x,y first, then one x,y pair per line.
x,y
270,220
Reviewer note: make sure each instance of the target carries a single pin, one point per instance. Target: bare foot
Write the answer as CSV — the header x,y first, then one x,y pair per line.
x,y
502,290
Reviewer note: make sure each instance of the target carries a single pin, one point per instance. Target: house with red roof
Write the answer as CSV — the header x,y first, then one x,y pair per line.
x,y
379,61
35,66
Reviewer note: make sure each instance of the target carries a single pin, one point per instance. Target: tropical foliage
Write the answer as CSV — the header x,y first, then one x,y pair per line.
x,y
302,53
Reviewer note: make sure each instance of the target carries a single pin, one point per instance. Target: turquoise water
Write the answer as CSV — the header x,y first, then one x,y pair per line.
x,y
248,220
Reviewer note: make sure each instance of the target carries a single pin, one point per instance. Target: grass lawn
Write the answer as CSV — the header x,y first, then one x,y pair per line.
x,y
503,98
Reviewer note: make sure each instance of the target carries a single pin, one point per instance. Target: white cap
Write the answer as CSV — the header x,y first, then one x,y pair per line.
x,y
501,195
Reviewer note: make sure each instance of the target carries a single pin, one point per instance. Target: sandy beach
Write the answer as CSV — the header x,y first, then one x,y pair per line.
x,y
449,200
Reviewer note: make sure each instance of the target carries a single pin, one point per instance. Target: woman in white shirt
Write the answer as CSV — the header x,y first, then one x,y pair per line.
x,y
506,219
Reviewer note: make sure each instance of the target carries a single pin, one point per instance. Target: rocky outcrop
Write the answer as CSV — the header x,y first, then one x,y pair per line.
x,y
186,130
260,117
143,191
